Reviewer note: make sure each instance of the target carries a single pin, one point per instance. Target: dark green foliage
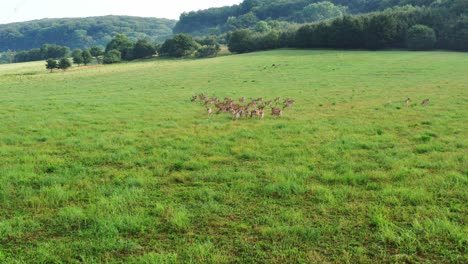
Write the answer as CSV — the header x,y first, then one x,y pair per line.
x,y
380,31
208,51
51,64
81,32
373,31
246,14
179,46
122,44
64,64
46,51
86,56
458,36
96,51
112,56
420,37
77,56
240,41
143,48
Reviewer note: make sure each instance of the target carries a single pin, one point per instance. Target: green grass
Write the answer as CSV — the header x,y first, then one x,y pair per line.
x,y
114,164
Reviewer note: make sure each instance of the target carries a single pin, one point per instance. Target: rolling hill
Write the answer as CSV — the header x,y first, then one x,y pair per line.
x,y
81,32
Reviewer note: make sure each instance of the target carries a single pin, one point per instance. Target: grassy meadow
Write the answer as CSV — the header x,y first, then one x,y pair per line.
x,y
114,164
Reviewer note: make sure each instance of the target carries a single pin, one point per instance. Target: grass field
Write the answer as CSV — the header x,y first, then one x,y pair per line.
x,y
114,164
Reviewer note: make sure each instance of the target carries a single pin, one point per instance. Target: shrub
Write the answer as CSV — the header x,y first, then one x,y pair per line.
x,y
113,56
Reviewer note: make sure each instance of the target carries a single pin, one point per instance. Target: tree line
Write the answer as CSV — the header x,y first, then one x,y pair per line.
x,y
250,12
400,27
81,32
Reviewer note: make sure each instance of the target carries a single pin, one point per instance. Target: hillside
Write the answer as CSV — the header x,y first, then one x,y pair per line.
x,y
250,12
81,32
114,164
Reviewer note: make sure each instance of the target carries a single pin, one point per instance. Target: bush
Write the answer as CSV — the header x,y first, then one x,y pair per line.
x,y
179,46
420,37
64,64
208,51
113,56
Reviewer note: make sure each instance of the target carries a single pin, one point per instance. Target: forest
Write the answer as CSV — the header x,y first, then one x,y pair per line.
x,y
81,32
249,12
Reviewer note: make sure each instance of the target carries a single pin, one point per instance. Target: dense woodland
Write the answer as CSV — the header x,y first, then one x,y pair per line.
x,y
81,32
249,12
416,28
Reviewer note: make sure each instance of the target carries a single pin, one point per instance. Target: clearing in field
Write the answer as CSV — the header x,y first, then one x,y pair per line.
x,y
115,164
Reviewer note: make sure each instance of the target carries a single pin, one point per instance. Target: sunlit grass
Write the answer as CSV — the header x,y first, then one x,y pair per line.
x,y
115,164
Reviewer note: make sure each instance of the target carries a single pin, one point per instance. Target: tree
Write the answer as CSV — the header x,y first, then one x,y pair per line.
x,y
113,56
321,11
179,46
86,56
97,52
64,64
240,41
143,48
420,37
77,56
262,27
51,64
122,44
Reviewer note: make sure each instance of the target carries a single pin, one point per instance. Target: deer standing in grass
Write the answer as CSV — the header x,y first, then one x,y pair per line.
x,y
407,102
425,102
275,111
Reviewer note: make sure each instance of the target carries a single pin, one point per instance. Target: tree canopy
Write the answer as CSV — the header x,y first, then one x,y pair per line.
x,y
81,32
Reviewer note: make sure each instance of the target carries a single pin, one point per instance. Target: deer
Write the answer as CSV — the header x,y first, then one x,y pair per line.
x,y
407,102
202,97
276,111
425,102
288,103
194,98
236,114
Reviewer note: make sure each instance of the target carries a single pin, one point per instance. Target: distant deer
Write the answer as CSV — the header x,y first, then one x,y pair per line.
x,y
194,98
236,114
425,102
288,103
407,102
276,111
261,114
202,97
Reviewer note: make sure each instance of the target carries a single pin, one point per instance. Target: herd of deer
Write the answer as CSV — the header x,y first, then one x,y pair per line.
x,y
408,102
255,108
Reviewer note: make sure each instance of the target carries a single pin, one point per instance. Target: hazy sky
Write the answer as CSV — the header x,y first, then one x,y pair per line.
x,y
23,10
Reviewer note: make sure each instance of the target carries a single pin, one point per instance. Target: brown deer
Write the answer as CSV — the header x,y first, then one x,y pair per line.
x,y
261,114
276,111
407,102
288,103
425,102
236,114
